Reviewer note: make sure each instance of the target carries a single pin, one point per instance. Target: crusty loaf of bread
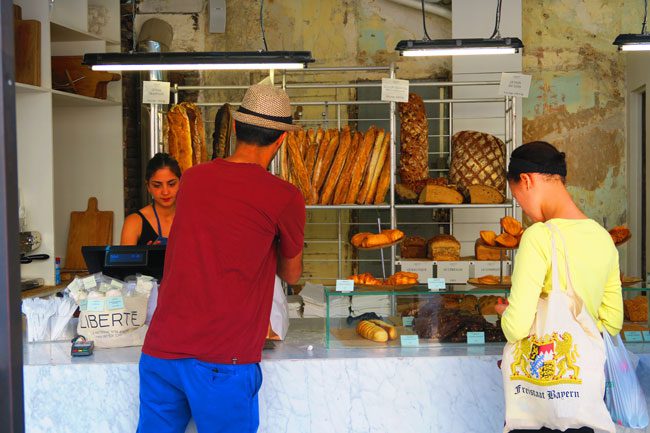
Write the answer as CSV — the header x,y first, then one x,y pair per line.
x,y
413,247
343,186
414,149
361,167
197,132
484,253
444,247
435,194
179,137
483,194
329,187
390,329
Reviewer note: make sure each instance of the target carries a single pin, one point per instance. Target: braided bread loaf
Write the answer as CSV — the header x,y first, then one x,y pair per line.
x,y
414,131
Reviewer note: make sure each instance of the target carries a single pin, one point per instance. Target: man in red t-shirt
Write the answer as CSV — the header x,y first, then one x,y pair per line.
x,y
236,226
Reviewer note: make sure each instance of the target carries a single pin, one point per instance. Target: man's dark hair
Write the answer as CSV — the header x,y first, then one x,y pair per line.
x,y
162,160
256,134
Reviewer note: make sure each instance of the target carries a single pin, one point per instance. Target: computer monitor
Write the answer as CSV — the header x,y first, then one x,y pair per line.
x,y
119,261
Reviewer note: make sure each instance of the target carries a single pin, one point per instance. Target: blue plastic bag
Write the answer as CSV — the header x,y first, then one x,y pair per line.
x,y
623,394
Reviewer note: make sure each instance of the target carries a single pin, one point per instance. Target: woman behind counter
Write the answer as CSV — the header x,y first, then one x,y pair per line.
x,y
151,224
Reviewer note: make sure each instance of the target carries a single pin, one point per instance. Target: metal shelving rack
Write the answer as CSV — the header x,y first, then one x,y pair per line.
x,y
289,80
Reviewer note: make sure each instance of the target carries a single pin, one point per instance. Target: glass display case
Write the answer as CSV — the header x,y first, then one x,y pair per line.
x,y
421,317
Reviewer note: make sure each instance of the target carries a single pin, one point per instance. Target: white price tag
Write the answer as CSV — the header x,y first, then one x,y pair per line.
x,y
89,283
482,268
514,84
344,285
117,284
424,269
393,90
453,272
155,92
436,284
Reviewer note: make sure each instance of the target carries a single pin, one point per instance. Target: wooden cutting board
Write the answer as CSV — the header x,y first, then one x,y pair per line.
x,y
91,227
27,43
69,75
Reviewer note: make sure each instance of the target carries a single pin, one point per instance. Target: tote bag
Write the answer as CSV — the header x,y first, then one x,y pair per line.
x,y
555,377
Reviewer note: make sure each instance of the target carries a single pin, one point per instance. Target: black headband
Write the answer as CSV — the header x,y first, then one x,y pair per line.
x,y
287,120
518,166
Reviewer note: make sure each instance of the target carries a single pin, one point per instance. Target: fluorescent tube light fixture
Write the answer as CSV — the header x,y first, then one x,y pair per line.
x,y
635,42
243,60
495,44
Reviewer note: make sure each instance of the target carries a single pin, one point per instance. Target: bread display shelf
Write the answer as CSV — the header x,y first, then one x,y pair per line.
x,y
381,247
347,206
382,287
474,282
505,205
496,247
630,281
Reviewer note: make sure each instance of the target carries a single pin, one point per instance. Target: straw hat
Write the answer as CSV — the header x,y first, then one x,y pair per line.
x,y
266,106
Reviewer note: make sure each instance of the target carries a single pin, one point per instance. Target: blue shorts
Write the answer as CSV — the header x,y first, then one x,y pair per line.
x,y
222,398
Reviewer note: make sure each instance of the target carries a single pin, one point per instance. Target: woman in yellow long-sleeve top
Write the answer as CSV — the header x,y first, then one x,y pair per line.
x,y
536,175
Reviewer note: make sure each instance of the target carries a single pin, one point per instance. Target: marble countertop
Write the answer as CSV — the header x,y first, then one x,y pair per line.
x,y
305,340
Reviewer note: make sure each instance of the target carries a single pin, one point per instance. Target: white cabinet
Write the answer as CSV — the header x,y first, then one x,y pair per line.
x,y
69,146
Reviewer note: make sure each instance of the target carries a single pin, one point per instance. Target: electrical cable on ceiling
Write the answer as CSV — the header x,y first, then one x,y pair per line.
x,y
424,23
496,34
135,48
645,19
266,48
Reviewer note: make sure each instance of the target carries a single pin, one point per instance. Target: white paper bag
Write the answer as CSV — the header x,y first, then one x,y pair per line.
x,y
279,310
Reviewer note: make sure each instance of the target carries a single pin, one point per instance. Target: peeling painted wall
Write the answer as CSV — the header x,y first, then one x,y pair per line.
x,y
577,98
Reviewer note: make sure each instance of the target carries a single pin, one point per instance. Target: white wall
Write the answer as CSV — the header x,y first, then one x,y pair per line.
x,y
475,19
638,79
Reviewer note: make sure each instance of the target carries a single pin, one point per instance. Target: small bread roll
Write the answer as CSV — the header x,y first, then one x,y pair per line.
x,y
390,329
370,331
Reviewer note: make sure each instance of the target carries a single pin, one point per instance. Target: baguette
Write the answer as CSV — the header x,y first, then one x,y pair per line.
x,y
328,158
376,150
222,131
343,186
312,152
384,181
390,329
320,156
370,198
179,139
370,331
197,133
298,168
362,162
284,160
340,159
301,139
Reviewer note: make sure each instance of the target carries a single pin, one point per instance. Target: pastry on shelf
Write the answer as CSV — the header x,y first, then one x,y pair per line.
x,y
390,329
511,226
506,240
413,247
484,194
494,279
444,248
402,278
371,331
366,279
636,309
372,240
488,237
620,234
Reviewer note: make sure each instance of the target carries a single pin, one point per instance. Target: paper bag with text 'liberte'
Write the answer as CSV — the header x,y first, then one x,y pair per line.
x,y
119,322
555,377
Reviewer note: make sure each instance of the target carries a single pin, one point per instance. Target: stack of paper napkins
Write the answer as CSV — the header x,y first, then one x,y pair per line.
x,y
47,318
313,296
295,306
371,304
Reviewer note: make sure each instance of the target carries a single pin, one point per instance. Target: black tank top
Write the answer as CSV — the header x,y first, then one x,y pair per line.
x,y
148,233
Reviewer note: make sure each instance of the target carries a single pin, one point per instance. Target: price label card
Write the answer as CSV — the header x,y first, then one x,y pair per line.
x,y
393,90
155,92
117,284
409,340
453,272
482,268
407,320
633,336
514,85
476,338
89,283
115,303
424,269
344,285
83,304
95,304
646,336
436,284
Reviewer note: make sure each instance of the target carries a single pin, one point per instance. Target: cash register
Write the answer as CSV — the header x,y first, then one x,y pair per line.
x,y
119,261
